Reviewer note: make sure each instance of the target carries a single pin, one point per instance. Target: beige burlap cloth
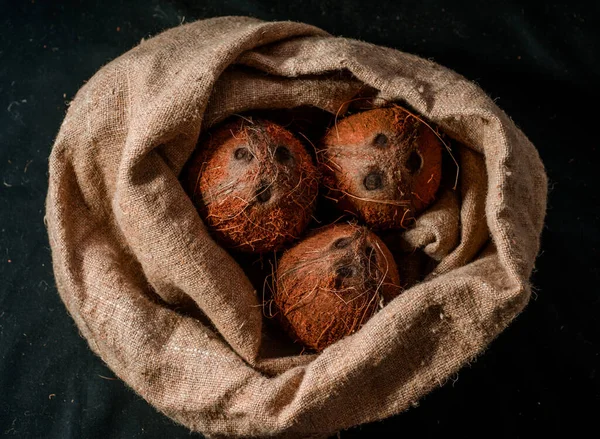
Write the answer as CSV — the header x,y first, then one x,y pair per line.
x,y
129,248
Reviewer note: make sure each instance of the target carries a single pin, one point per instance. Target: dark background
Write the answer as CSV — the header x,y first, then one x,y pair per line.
x,y
541,65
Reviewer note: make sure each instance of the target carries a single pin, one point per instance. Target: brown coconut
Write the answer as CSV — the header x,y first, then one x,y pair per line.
x,y
383,165
332,282
254,185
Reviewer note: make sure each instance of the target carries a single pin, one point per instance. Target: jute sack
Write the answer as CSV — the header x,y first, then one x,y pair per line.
x,y
130,251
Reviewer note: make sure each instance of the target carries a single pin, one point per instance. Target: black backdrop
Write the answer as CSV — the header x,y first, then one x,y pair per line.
x,y
540,64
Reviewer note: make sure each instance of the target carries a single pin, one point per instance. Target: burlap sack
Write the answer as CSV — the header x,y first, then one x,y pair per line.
x,y
128,246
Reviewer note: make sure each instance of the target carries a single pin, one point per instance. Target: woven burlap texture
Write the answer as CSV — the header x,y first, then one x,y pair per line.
x,y
128,245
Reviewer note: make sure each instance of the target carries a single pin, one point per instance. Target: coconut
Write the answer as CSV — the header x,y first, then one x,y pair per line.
x,y
254,185
332,282
383,165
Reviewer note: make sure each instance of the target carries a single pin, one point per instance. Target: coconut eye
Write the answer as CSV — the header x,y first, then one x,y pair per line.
x,y
342,242
242,154
371,254
342,273
345,271
414,162
283,155
380,140
263,193
373,181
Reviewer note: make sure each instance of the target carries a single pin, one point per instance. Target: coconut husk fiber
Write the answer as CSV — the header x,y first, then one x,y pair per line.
x,y
130,251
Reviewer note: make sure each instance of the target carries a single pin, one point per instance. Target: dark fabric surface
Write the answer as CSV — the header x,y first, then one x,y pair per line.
x,y
539,63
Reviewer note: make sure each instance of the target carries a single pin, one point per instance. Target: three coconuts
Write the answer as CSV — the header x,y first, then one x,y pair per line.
x,y
258,189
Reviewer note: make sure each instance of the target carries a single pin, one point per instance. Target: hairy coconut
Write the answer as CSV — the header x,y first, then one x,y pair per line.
x,y
332,282
383,165
254,185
